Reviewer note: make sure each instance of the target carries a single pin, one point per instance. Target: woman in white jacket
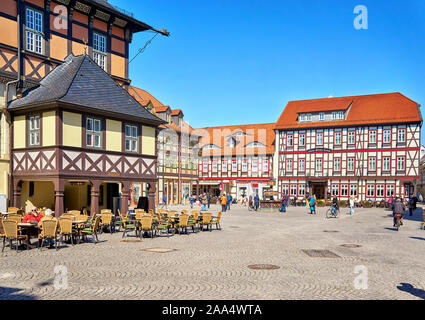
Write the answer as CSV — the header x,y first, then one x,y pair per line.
x,y
351,205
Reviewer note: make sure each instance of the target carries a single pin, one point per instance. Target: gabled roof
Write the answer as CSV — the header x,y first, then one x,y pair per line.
x,y
142,95
219,136
176,112
376,109
80,81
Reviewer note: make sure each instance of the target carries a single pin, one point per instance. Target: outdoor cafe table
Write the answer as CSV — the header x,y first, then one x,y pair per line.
x,y
30,230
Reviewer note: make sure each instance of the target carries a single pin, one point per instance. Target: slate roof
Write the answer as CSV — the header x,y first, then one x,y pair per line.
x,y
80,81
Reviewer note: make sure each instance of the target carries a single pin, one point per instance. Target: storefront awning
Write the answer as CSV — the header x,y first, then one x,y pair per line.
x,y
209,183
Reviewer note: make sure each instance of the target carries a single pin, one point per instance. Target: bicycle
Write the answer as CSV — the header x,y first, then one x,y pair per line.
x,y
332,212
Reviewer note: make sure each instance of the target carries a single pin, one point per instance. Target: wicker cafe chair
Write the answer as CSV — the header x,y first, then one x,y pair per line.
x,y
160,211
105,211
66,230
206,221
216,221
128,226
14,217
121,219
146,225
151,212
74,212
49,232
139,211
164,225
193,222
12,210
106,221
184,211
11,233
92,231
68,216
183,223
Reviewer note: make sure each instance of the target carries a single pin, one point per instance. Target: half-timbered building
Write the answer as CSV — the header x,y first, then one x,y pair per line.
x,y
177,151
80,140
362,146
37,35
237,160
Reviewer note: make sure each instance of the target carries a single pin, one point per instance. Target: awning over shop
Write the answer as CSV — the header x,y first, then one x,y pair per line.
x,y
209,183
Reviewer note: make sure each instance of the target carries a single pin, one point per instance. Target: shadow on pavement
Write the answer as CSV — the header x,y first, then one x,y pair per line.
x,y
12,294
417,238
417,215
407,287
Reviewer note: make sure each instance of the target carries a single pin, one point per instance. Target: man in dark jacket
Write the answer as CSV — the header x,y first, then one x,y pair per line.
x,y
412,205
398,208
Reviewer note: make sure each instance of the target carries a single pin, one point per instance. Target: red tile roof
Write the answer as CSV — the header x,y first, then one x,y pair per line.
x,y
219,136
376,109
176,112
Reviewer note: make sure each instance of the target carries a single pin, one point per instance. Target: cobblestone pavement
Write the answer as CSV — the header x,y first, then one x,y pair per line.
x,y
214,265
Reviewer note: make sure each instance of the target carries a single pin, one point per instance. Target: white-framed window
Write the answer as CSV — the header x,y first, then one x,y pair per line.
x,y
319,164
386,136
34,130
337,164
353,190
321,116
131,138
351,137
386,163
372,137
335,190
93,132
265,165
99,50
380,188
302,117
205,166
372,164
34,31
244,165
289,140
370,190
301,138
390,190
337,138
289,165
224,166
301,165
254,165
319,138
344,190
334,115
235,166
350,164
293,190
308,117
401,135
301,190
341,115
285,189
401,163
215,166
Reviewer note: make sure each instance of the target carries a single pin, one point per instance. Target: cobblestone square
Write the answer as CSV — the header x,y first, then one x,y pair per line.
x,y
214,265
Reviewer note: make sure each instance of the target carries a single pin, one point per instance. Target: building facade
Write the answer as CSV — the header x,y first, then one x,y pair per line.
x,y
80,140
177,147
362,146
36,37
237,160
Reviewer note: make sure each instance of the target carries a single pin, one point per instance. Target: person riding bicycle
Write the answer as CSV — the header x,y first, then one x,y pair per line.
x,y
335,205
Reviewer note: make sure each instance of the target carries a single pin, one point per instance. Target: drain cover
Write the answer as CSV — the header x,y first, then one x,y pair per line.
x,y
263,267
321,254
350,245
131,241
330,231
159,250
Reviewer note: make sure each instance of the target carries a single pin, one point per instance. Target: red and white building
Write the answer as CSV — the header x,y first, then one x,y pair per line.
x,y
237,159
362,146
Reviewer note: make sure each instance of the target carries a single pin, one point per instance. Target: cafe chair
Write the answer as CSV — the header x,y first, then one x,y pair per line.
x,y
105,211
206,221
11,233
164,225
216,221
193,222
183,223
146,225
92,231
106,221
13,210
66,230
74,212
49,232
128,226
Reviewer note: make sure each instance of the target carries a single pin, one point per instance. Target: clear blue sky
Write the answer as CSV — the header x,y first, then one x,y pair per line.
x,y
240,61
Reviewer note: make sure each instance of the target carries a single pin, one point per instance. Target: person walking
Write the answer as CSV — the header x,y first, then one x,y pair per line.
x,y
204,202
352,205
412,205
313,204
192,201
223,201
256,202
398,208
209,199
229,201
164,202
284,203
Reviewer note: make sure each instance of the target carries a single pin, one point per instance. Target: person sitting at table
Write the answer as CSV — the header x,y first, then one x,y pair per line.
x,y
48,215
33,215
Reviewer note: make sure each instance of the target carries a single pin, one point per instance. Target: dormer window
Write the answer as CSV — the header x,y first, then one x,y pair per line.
x,y
308,116
232,143
321,116
255,144
302,117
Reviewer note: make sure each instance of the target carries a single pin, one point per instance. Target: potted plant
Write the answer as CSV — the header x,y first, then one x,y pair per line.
x,y
320,203
367,204
343,204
